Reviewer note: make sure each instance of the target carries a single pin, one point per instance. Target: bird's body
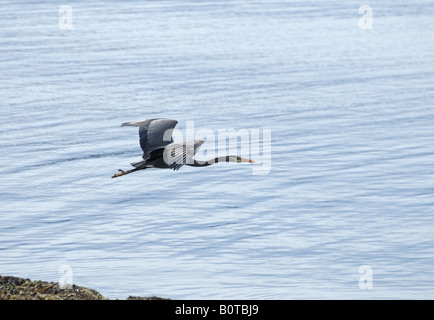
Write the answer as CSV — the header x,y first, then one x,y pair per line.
x,y
160,151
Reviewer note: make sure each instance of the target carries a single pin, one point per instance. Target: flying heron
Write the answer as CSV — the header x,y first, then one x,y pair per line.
x,y
159,150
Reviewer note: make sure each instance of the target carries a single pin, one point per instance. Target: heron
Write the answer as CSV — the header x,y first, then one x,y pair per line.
x,y
160,151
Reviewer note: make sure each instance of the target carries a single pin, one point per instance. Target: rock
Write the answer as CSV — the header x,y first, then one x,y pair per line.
x,y
145,298
14,288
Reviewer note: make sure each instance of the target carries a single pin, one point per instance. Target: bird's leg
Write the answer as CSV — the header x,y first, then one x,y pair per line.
x,y
122,172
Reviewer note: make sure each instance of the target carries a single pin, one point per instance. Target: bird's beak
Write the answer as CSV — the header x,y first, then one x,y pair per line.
x,y
245,160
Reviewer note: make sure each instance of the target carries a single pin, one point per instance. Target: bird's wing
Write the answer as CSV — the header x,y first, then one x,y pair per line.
x,y
154,133
178,154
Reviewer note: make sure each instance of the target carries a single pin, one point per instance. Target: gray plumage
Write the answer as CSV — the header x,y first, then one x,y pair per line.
x,y
153,133
160,151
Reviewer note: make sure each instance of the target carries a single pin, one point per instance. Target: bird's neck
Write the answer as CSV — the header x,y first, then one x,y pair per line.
x,y
205,163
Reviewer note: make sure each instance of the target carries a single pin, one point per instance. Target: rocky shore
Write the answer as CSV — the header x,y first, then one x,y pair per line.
x,y
14,288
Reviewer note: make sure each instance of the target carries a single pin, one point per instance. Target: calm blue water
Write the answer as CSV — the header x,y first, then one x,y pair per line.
x,y
351,113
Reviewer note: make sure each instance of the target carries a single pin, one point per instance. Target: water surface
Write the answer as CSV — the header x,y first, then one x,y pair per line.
x,y
352,176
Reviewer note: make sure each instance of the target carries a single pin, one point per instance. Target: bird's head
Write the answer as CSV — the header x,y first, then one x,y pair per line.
x,y
243,160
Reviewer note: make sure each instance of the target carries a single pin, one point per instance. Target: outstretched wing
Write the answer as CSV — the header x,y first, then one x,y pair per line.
x,y
178,154
154,133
